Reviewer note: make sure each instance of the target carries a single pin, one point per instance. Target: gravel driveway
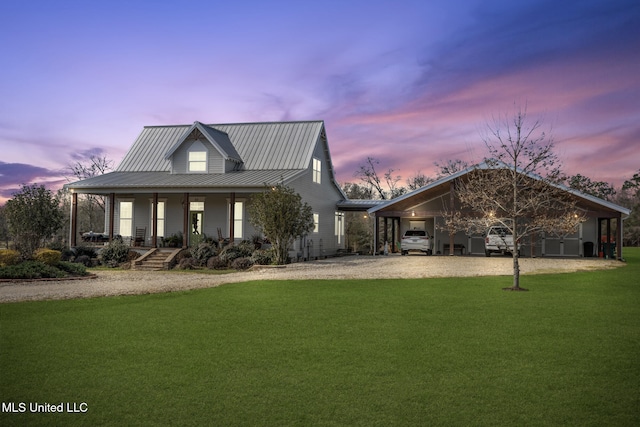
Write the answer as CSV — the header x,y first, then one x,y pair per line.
x,y
129,282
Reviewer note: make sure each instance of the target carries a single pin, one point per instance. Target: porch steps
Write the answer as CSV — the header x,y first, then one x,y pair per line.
x,y
154,260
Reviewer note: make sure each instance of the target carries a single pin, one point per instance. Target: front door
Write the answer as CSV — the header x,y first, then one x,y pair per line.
x,y
195,227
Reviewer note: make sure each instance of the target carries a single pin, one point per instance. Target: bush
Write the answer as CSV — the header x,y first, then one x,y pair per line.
x,y
203,252
115,253
188,264
84,260
68,255
47,256
216,263
242,250
30,270
241,263
263,257
9,257
73,268
85,250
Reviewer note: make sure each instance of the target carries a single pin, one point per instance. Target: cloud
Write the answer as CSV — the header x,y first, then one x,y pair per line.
x,y
14,175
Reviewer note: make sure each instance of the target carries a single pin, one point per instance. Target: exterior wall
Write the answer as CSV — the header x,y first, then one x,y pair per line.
x,y
323,198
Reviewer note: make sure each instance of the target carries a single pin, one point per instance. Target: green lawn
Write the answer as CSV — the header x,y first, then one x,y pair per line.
x,y
456,351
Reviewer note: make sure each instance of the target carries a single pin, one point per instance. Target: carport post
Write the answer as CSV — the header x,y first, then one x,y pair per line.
x,y
452,189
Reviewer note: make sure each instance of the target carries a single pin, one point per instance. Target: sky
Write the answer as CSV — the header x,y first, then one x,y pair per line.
x,y
407,82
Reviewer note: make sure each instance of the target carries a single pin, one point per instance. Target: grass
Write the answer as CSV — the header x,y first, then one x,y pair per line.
x,y
450,351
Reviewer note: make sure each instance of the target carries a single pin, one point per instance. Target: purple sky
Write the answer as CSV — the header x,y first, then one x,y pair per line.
x,y
408,82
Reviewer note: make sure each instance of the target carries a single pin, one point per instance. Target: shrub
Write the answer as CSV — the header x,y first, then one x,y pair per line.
x,y
68,255
47,256
84,260
203,252
263,257
216,263
85,250
9,257
115,253
188,264
73,268
241,263
30,270
242,250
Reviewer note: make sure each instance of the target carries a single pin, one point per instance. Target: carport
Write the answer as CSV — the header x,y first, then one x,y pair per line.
x,y
599,235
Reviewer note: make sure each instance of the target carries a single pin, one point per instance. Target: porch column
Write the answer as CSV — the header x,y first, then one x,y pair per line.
x,y
154,222
112,213
232,215
185,219
451,208
386,230
619,235
376,238
74,220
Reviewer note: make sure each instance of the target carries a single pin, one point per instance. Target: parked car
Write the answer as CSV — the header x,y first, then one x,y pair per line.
x,y
498,240
416,240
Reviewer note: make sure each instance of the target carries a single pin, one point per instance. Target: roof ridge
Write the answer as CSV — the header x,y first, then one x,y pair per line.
x,y
236,123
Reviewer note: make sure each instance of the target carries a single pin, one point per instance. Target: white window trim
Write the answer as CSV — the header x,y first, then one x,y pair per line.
x,y
317,171
237,234
130,219
191,163
316,222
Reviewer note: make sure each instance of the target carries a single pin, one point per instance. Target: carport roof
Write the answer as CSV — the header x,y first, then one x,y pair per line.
x,y
442,186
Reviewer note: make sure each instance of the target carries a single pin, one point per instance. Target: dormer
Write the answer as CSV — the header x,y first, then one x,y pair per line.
x,y
203,149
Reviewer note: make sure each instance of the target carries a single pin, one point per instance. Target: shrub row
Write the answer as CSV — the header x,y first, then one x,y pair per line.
x,y
40,270
239,257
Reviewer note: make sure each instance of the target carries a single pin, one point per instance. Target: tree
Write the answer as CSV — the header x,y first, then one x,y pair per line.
x,y
517,187
92,211
600,189
450,167
4,227
629,197
281,215
369,176
418,180
33,215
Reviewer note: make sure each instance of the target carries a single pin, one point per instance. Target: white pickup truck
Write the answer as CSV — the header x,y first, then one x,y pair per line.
x,y
499,240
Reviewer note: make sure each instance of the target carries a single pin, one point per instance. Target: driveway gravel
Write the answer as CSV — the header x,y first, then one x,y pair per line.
x,y
130,282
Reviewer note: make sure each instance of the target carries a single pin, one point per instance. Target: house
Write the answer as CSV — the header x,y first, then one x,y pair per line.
x,y
197,180
423,208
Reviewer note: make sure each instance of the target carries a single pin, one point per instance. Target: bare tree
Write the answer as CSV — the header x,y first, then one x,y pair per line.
x,y
369,176
418,180
517,187
94,207
450,167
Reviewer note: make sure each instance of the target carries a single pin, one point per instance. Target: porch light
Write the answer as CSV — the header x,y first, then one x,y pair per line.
x,y
413,213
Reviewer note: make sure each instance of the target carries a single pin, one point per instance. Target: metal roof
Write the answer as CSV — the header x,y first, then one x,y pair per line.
x,y
441,186
261,146
165,180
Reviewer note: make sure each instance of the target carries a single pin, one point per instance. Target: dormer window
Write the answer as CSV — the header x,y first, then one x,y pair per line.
x,y
197,161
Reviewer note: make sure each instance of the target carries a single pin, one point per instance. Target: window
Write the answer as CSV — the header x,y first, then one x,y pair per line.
x,y
316,223
339,227
317,171
160,219
197,161
238,215
126,219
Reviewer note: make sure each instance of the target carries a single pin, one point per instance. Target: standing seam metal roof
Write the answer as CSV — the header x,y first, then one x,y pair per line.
x,y
261,146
